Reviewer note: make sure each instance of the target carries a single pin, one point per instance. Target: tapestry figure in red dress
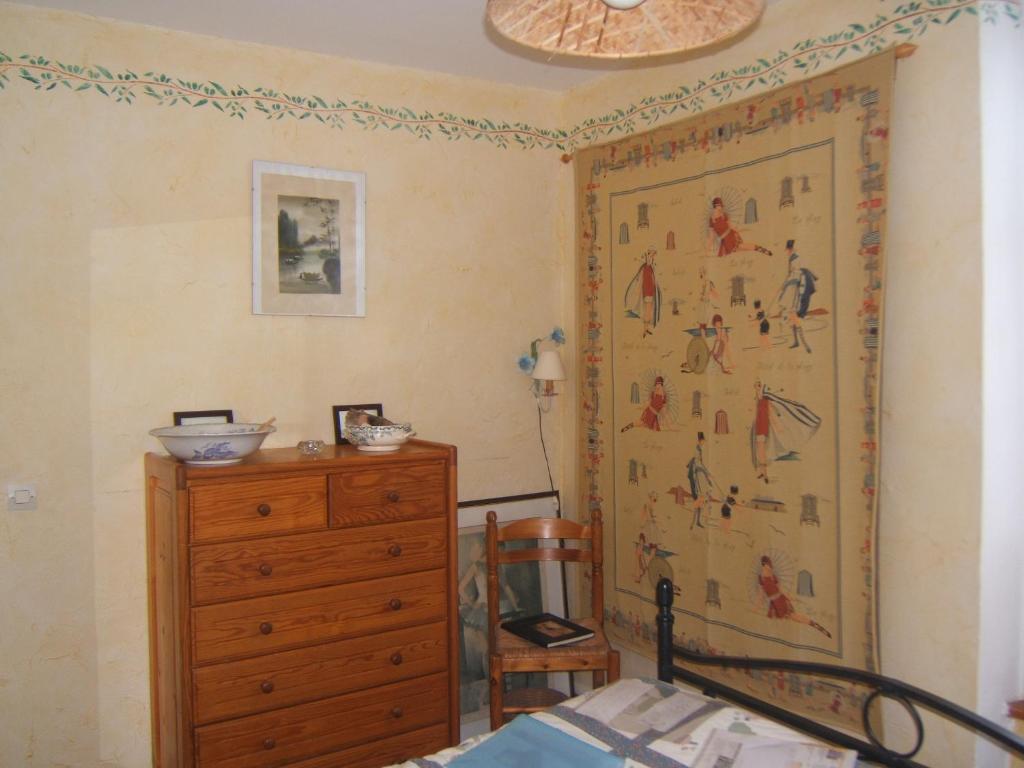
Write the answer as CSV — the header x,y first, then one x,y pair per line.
x,y
781,428
643,294
780,606
652,413
728,239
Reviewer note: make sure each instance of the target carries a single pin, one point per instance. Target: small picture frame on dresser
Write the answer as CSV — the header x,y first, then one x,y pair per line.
x,y
183,418
339,412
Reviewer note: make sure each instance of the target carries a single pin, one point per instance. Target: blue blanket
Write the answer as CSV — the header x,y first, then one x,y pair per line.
x,y
528,742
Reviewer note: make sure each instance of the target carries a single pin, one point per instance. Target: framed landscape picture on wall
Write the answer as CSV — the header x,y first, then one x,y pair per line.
x,y
308,233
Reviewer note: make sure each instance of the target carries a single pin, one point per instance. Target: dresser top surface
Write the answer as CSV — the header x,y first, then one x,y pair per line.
x,y
333,457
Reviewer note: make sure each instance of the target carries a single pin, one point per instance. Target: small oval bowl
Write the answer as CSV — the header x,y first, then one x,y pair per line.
x,y
367,437
311,447
212,444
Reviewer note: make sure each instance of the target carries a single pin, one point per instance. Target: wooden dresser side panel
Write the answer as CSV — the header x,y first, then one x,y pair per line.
x,y
166,553
454,680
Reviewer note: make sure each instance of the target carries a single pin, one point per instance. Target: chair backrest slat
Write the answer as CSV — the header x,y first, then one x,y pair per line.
x,y
544,528
546,555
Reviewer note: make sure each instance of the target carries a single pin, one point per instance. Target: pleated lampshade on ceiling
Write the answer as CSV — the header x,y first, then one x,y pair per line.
x,y
597,28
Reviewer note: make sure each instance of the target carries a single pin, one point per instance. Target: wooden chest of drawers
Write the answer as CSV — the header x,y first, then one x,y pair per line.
x,y
303,609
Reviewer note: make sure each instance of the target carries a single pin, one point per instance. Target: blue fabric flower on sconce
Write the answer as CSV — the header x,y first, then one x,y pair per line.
x,y
527,362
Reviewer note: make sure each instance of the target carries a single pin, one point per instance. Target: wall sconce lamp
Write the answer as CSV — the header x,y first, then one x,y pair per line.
x,y
548,370
544,367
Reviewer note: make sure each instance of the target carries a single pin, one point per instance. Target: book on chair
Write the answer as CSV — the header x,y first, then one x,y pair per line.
x,y
548,630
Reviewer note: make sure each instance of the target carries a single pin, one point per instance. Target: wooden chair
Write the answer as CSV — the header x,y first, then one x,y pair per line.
x,y
510,653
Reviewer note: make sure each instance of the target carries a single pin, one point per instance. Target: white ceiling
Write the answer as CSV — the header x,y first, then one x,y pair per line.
x,y
436,35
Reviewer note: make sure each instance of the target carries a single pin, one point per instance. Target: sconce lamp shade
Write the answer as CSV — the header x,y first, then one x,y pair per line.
x,y
549,366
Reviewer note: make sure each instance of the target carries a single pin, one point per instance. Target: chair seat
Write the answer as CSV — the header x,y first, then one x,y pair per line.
x,y
532,699
512,646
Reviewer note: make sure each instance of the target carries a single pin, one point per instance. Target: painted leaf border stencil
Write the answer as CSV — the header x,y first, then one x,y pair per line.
x,y
895,23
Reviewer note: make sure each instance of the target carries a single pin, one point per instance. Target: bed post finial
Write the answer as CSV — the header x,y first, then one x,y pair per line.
x,y
663,596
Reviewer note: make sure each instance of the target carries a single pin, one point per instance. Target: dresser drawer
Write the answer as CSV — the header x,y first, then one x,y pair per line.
x,y
392,750
282,679
265,624
329,725
404,492
258,507
263,566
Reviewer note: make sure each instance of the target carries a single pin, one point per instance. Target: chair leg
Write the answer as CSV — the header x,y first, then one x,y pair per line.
x,y
497,692
612,671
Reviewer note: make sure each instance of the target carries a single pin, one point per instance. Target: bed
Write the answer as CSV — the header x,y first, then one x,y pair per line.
x,y
658,724
633,723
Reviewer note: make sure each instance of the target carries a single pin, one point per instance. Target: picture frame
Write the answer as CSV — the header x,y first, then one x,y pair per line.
x,y
535,587
338,414
182,418
308,240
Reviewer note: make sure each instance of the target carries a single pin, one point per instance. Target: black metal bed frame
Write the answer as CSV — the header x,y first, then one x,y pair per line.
x,y
871,750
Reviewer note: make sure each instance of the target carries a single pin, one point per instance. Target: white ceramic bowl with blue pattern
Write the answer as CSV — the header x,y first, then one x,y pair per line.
x,y
367,437
212,444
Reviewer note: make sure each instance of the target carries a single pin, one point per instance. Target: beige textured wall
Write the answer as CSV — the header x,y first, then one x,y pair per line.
x,y
931,386
125,294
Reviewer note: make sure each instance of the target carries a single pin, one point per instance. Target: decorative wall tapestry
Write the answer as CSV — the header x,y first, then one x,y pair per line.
x,y
731,271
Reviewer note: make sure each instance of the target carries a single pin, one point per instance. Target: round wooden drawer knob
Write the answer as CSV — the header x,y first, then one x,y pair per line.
x,y
394,603
266,569
266,628
395,550
397,712
263,509
269,743
267,686
396,659
393,497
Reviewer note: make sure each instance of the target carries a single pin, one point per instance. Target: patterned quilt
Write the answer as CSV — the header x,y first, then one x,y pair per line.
x,y
655,725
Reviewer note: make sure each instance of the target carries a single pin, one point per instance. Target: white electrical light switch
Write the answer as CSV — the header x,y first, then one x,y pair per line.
x,y
21,496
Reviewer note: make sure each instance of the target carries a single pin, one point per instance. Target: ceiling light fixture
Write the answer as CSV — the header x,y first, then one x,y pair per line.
x,y
621,29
